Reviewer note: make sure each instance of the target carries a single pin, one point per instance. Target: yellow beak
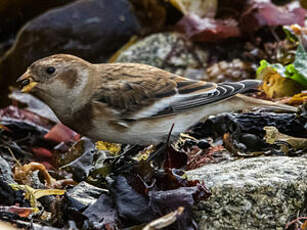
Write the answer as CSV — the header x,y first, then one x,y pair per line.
x,y
27,82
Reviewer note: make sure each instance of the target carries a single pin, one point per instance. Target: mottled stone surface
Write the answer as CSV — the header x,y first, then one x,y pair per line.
x,y
253,193
169,51
90,29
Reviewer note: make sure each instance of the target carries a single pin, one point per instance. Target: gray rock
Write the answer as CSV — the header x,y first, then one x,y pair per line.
x,y
169,51
90,29
6,171
254,193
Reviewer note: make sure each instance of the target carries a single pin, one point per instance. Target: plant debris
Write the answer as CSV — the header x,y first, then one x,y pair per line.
x,y
207,29
137,194
51,178
272,136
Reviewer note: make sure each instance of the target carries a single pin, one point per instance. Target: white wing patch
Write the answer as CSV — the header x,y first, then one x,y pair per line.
x,y
182,102
164,103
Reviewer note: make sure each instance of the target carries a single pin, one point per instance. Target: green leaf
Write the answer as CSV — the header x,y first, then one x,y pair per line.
x,y
263,65
300,66
277,67
296,71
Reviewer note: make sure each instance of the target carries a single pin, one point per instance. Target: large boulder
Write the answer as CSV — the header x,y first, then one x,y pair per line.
x,y
254,193
15,13
90,29
170,51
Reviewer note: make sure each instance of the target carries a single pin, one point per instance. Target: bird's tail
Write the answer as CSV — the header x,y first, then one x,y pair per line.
x,y
273,106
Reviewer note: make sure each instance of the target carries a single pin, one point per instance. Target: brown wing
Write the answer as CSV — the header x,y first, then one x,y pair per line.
x,y
140,91
129,88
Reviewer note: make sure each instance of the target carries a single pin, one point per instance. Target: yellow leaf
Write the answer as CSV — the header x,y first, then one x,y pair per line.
x,y
276,86
144,154
32,194
38,193
299,98
202,8
106,146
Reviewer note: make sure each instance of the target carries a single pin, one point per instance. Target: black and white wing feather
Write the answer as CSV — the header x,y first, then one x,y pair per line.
x,y
137,91
221,92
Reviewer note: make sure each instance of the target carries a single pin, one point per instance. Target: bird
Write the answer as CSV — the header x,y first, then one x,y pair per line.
x,y
131,103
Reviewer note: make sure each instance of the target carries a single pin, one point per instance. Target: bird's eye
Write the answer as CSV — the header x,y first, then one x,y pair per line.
x,y
50,70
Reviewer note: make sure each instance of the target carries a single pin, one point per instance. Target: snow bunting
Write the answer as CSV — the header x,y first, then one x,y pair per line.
x,y
131,103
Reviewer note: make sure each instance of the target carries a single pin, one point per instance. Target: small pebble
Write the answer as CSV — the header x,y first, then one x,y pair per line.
x,y
249,140
203,144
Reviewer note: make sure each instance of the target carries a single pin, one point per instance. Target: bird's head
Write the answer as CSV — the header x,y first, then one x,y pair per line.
x,y
57,78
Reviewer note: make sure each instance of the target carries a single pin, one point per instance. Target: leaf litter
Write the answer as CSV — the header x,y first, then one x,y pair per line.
x,y
53,179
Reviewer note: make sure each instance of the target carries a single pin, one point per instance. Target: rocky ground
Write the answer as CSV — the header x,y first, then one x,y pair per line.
x,y
244,170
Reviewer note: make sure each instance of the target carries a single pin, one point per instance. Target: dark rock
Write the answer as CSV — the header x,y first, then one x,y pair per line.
x,y
203,144
250,140
5,45
13,13
92,30
252,123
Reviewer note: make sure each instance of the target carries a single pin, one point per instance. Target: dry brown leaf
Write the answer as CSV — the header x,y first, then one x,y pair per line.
x,y
273,136
22,173
164,221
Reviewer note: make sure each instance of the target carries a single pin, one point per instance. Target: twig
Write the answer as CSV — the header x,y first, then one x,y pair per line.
x,y
295,220
12,154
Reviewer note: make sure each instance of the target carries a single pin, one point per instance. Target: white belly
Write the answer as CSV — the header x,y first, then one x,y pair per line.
x,y
156,130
